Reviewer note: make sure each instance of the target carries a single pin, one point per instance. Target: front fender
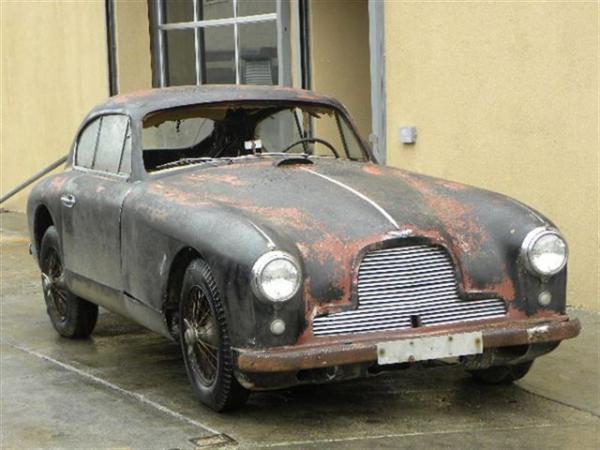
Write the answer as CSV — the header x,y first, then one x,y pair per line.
x,y
156,228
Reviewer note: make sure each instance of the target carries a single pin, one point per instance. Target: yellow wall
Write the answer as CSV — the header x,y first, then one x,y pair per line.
x,y
339,32
53,71
134,70
504,96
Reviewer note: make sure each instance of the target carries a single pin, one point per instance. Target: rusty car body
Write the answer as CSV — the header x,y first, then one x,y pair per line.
x,y
368,262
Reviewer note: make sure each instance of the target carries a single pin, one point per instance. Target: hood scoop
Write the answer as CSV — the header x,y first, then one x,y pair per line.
x,y
293,161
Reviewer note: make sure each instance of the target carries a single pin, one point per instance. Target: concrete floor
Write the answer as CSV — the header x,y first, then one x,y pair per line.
x,y
127,388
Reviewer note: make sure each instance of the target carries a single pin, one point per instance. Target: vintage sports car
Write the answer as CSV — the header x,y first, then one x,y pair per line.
x,y
252,225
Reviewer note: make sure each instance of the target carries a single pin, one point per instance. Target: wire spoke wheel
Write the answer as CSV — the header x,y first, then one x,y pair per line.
x,y
71,316
201,336
204,340
53,284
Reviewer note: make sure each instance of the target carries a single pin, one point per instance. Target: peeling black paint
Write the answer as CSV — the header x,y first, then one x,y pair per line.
x,y
222,213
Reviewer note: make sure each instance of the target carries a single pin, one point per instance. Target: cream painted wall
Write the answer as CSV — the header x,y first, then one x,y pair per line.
x,y
504,96
339,32
53,72
134,70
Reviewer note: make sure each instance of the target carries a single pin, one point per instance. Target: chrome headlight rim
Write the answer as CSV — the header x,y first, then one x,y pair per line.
x,y
259,266
528,244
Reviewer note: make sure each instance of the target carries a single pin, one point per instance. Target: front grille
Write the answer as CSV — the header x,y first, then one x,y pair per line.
x,y
404,287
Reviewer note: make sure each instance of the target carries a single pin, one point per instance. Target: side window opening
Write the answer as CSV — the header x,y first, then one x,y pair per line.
x,y
105,145
86,145
177,138
125,162
111,140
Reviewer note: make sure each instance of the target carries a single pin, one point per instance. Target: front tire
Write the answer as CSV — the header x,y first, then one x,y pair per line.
x,y
502,374
71,316
204,339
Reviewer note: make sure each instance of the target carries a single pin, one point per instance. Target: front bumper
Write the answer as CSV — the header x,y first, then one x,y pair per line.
x,y
363,349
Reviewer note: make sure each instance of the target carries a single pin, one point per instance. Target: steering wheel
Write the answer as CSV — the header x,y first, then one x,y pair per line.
x,y
312,139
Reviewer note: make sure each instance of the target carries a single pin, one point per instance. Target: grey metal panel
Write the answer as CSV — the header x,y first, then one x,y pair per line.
x,y
377,52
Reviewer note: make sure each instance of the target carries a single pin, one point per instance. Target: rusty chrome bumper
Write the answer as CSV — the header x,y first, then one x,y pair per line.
x,y
364,349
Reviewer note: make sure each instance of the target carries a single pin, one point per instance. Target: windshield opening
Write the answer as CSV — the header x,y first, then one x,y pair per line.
x,y
204,133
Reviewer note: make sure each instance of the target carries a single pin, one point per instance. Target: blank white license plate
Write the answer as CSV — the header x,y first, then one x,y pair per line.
x,y
435,347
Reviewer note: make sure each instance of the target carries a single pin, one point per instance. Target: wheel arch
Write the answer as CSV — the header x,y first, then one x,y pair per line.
x,y
179,264
42,221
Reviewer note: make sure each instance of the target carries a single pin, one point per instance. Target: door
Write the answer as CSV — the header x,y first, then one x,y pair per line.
x,y
91,208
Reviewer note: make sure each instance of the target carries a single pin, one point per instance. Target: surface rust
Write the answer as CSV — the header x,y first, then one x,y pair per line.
x,y
233,212
365,350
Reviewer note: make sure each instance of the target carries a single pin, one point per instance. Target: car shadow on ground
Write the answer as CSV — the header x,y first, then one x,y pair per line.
x,y
151,363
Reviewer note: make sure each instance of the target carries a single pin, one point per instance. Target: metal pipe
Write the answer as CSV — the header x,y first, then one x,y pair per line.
x,y
111,42
304,13
34,178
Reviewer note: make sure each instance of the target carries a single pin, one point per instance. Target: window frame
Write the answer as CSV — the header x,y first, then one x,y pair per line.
x,y
128,130
341,116
82,130
158,27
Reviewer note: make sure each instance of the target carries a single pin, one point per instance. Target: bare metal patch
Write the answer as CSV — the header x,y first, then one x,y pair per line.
x,y
537,332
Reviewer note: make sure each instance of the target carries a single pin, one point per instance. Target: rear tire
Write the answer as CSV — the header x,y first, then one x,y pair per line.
x,y
71,316
502,374
205,344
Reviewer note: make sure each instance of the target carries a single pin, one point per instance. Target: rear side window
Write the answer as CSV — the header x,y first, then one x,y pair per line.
x,y
125,165
105,145
110,143
86,146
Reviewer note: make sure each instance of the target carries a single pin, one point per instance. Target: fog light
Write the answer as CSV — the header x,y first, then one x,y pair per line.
x,y
544,298
277,327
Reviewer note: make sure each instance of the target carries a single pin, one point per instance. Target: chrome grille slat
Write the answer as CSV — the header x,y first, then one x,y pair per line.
x,y
395,283
405,268
421,273
418,308
421,248
413,259
449,310
334,328
418,251
389,305
391,326
410,293
406,280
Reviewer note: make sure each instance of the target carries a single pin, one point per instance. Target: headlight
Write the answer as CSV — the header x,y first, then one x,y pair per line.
x,y
544,252
276,276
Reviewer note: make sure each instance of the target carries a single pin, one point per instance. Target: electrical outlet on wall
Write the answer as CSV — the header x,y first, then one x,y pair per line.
x,y
407,135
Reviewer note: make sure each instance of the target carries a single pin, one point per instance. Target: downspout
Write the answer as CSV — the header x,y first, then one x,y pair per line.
x,y
304,35
111,41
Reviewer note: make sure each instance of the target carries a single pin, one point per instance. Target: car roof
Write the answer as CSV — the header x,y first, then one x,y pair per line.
x,y
141,103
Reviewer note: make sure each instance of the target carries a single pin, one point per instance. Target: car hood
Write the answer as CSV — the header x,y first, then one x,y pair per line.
x,y
333,211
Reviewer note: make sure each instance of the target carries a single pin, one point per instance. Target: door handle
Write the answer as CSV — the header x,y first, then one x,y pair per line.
x,y
68,200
